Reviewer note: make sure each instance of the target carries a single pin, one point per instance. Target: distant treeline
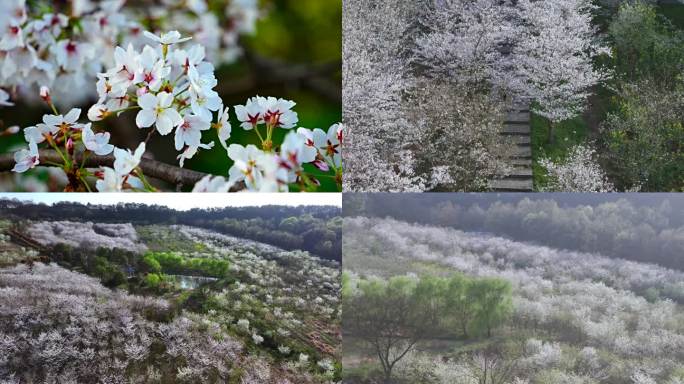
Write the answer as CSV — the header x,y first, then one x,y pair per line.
x,y
640,227
317,229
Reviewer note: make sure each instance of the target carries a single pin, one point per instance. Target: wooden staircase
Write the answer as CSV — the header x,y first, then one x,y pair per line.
x,y
517,127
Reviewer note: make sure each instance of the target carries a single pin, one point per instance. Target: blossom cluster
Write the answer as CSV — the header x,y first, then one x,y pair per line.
x,y
64,46
76,330
86,235
267,171
578,172
271,302
172,91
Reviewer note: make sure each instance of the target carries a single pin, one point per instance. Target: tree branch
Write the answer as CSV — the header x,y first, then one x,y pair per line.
x,y
269,72
152,168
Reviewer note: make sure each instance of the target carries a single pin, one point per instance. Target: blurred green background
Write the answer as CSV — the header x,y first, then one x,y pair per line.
x,y
294,54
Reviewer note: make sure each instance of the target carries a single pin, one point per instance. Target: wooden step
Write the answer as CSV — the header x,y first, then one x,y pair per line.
x,y
520,162
522,151
512,185
516,129
520,173
521,140
517,117
520,108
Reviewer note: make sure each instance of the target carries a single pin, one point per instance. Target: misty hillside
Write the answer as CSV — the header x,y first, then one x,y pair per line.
x,y
575,317
639,227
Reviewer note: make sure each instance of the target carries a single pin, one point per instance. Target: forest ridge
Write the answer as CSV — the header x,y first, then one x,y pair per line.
x,y
317,229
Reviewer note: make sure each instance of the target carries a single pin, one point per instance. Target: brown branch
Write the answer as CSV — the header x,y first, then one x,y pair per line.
x,y
269,72
152,168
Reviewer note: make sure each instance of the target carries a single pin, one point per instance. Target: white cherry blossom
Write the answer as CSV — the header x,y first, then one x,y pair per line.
x,y
126,161
173,37
98,112
70,55
191,151
293,153
157,109
189,132
249,165
212,184
63,122
251,114
39,133
26,159
111,181
97,142
279,113
223,126
154,69
12,38
328,145
126,70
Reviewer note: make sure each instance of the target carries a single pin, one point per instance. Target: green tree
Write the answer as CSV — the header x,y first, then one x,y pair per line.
x,y
492,301
393,315
431,297
386,315
150,264
152,280
459,302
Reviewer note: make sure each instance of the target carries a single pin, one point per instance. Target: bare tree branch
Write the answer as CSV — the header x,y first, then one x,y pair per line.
x,y
151,168
269,72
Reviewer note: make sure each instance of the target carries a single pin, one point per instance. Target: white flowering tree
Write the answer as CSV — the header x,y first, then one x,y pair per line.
x,y
165,81
553,57
464,41
578,172
373,87
398,58
397,103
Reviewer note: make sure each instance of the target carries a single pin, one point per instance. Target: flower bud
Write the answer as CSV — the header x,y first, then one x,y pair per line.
x,y
70,146
45,94
322,165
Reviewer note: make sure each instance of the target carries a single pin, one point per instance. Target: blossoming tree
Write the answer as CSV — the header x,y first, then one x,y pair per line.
x,y
488,54
554,57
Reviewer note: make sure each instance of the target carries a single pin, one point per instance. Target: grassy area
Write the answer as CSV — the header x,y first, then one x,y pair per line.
x,y
567,134
160,238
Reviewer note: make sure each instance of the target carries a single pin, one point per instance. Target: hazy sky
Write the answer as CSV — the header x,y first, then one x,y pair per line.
x,y
184,201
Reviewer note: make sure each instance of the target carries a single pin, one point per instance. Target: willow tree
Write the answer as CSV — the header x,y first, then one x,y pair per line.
x,y
392,316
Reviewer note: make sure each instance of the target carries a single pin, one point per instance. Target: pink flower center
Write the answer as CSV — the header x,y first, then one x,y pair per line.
x,y
71,48
273,118
254,120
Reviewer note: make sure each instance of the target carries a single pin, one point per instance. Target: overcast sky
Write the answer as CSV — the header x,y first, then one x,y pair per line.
x,y
184,201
